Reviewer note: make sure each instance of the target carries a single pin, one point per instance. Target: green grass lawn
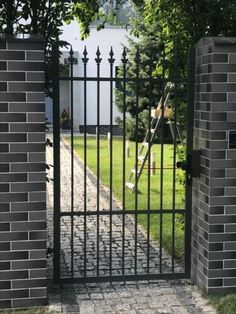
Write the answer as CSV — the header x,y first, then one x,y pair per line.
x,y
142,195
223,304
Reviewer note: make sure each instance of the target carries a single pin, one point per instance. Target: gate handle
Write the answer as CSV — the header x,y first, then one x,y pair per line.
x,y
182,165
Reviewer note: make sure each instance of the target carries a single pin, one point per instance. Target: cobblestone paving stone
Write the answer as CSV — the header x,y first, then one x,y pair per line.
x,y
177,296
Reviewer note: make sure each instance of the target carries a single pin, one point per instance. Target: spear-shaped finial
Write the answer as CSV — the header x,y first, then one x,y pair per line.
x,y
71,57
111,54
85,54
98,54
124,56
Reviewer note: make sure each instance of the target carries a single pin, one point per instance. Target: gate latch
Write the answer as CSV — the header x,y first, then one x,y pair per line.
x,y
192,164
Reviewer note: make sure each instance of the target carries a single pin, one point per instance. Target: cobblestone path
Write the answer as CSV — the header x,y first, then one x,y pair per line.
x,y
142,297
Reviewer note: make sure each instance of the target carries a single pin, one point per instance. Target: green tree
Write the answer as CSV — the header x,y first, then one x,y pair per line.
x,y
46,17
170,27
149,48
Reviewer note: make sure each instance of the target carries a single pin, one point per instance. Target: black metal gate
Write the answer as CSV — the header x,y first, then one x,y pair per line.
x,y
122,209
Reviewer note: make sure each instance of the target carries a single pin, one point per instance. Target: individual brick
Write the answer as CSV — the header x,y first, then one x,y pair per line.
x,y
35,55
6,256
5,265
3,86
38,273
37,235
3,107
29,245
12,76
36,177
9,117
36,138
18,274
27,127
11,236
34,216
12,55
26,66
5,304
13,197
4,127
28,147
11,137
27,107
4,187
28,167
7,97
13,157
25,45
36,117
29,283
13,217
35,76
26,87
29,206
3,65
14,294
28,187
35,97
37,196
38,293
4,246
30,264
13,177
4,148
28,226
32,302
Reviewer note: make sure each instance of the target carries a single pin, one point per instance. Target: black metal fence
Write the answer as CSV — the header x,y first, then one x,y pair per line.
x,y
126,214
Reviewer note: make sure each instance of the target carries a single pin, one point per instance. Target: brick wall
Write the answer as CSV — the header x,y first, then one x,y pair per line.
x,y
22,174
214,194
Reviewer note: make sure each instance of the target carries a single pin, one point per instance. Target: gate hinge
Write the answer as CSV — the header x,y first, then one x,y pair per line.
x,y
191,165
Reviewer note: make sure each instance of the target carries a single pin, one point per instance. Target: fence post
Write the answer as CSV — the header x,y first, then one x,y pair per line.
x,y
153,164
127,149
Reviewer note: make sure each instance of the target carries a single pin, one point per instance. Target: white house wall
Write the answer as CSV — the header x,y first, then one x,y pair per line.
x,y
105,39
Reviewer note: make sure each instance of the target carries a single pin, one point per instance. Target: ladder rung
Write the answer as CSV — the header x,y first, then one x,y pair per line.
x,y
134,171
130,185
145,144
141,158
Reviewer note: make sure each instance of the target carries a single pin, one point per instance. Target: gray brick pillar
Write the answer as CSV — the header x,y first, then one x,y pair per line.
x,y
22,174
214,193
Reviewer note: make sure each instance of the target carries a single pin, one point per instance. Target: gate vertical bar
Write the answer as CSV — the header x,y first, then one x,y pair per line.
x,y
190,119
56,163
71,60
85,60
175,107
162,158
124,61
137,57
150,89
98,61
111,61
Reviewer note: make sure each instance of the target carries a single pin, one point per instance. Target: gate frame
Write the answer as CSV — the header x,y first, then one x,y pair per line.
x,y
57,183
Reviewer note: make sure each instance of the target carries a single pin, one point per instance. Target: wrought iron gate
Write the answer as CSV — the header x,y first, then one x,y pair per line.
x,y
107,228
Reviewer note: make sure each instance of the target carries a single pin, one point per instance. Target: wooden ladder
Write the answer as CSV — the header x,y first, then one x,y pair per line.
x,y
158,117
